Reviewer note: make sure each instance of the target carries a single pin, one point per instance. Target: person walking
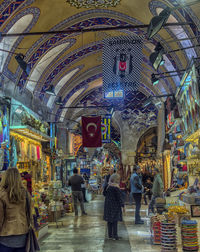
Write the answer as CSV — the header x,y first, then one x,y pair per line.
x,y
113,206
13,218
157,190
136,191
75,182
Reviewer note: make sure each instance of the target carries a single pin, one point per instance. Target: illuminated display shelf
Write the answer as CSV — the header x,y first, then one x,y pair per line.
x,y
29,132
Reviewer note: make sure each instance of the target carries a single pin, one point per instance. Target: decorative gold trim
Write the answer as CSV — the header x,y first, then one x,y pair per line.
x,y
93,3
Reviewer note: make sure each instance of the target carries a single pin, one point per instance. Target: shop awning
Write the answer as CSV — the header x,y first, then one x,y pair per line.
x,y
29,132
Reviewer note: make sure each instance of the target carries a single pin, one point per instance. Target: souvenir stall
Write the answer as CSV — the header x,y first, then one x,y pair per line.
x,y
176,169
27,133
59,195
183,205
189,100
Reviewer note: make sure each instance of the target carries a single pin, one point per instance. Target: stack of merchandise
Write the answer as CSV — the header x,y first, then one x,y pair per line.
x,y
155,230
189,235
35,211
67,203
43,212
40,211
168,236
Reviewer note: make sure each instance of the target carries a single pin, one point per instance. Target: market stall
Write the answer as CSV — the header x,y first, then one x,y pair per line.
x,y
27,133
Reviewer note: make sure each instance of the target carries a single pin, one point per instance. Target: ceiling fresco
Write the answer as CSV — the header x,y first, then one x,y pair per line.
x,y
71,62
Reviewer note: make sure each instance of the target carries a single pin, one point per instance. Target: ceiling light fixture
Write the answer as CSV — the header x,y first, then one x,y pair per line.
x,y
157,22
50,90
154,80
59,101
93,3
156,58
20,60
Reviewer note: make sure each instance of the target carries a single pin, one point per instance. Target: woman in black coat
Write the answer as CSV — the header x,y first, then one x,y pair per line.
x,y
113,206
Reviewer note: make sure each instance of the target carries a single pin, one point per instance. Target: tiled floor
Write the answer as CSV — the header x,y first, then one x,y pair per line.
x,y
88,233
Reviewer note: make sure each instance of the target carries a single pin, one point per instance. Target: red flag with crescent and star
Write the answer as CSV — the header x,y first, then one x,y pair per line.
x,y
91,131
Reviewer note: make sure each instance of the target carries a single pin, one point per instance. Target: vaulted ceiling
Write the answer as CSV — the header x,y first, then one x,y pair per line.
x,y
72,62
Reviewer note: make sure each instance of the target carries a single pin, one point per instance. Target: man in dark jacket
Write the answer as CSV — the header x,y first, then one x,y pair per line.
x,y
75,182
136,190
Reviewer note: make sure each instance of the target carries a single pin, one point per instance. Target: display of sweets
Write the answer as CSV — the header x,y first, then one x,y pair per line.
x,y
189,235
168,236
177,209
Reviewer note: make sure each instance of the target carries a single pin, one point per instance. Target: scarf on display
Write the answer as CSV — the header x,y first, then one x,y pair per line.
x,y
38,152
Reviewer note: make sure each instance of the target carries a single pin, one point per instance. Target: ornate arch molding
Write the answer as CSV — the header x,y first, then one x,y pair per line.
x,y
8,7
36,13
79,68
81,85
79,21
80,79
190,16
69,60
153,5
46,71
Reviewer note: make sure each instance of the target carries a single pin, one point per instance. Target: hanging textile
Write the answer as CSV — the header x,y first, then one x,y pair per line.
x,y
32,152
13,152
23,151
38,152
28,151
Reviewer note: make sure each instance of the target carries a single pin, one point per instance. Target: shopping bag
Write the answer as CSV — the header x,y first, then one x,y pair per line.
x,y
31,242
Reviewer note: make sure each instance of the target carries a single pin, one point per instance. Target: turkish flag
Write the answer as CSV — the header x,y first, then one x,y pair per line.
x,y
91,131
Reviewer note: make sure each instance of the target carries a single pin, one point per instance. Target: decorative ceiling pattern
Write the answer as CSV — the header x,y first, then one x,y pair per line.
x,y
83,53
131,108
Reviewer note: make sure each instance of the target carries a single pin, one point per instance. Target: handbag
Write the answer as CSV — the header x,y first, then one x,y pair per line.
x,y
31,242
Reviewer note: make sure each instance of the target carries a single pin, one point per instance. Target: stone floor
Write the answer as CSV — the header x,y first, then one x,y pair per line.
x,y
88,233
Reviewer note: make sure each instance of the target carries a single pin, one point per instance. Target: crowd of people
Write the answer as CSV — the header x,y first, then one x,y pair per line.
x,y
117,191
15,202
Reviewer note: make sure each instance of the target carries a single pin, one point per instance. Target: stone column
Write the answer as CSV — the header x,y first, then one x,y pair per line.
x,y
129,140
